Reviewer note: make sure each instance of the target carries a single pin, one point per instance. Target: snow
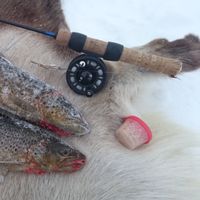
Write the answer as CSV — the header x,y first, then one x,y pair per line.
x,y
133,22
136,22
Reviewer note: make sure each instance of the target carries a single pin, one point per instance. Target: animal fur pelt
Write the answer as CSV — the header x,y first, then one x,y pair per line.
x,y
165,169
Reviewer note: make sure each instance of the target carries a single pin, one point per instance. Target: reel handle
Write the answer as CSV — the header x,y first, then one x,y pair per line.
x,y
116,52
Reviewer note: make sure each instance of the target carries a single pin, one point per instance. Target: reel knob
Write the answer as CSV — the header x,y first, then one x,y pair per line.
x,y
86,75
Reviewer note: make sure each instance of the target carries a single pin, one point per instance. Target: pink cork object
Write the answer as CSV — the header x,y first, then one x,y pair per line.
x,y
133,133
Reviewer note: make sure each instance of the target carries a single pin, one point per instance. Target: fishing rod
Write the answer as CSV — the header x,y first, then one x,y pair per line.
x,y
86,74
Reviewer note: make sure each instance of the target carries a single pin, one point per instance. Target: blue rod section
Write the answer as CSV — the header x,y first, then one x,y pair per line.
x,y
50,34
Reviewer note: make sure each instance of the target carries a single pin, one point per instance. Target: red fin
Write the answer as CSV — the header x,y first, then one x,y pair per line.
x,y
54,129
34,171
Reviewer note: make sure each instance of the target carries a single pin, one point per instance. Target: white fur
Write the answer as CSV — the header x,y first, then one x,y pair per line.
x,y
165,169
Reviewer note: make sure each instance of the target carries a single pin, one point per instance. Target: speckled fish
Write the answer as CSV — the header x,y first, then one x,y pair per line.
x,y
29,148
37,102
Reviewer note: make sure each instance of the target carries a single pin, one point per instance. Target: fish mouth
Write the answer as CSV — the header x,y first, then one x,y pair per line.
x,y
71,166
78,164
83,129
67,167
75,164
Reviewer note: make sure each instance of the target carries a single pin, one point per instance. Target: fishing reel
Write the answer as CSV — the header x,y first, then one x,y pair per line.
x,y
86,75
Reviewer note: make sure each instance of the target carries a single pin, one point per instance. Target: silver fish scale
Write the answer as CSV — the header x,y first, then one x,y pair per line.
x,y
23,84
17,136
22,91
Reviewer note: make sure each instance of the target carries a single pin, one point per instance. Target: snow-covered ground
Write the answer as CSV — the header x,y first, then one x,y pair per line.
x,y
136,22
133,22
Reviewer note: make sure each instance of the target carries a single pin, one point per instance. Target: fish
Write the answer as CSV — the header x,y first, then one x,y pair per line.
x,y
25,147
37,102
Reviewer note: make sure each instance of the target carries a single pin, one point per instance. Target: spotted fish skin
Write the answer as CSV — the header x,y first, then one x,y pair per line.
x,y
29,148
37,102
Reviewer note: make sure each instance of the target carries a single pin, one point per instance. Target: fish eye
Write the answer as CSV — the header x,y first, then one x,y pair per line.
x,y
63,152
74,113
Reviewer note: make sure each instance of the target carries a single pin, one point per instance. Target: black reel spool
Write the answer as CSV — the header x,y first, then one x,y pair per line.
x,y
86,75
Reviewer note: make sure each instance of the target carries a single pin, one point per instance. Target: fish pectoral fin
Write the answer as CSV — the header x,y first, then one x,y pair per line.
x,y
3,173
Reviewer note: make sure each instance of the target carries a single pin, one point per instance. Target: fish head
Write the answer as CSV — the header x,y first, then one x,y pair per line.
x,y
56,157
61,117
64,158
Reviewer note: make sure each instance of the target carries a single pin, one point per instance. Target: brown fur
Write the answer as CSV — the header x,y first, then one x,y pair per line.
x,y
46,14
186,49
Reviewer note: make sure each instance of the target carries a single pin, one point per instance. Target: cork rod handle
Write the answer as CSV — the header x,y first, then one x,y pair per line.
x,y
116,52
152,62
